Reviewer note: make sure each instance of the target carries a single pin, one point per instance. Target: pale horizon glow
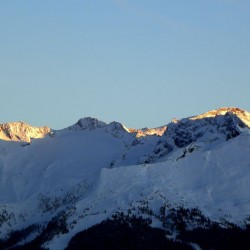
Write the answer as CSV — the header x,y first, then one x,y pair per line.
x,y
141,63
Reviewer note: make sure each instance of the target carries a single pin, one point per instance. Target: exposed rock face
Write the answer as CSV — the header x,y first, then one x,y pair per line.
x,y
20,131
148,131
215,125
87,123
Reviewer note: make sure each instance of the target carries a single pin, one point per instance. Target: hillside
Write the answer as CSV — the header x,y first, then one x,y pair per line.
x,y
187,175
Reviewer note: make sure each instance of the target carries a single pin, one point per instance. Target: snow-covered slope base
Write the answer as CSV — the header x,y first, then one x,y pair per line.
x,y
193,175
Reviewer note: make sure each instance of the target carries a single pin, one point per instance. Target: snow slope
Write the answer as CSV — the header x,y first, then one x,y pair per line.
x,y
92,170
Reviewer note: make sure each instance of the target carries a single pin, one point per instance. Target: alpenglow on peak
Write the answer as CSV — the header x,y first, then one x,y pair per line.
x,y
21,131
241,114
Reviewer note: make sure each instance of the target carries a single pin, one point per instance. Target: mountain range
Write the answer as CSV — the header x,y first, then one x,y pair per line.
x,y
184,185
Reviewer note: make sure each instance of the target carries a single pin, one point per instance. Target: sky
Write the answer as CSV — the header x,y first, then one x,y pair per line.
x,y
139,62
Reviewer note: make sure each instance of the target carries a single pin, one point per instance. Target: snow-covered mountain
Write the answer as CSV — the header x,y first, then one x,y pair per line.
x,y
195,170
20,131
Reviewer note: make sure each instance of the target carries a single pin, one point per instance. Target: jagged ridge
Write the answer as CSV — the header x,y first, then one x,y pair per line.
x,y
215,125
21,131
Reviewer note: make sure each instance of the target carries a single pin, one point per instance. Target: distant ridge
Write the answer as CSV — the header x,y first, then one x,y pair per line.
x,y
21,131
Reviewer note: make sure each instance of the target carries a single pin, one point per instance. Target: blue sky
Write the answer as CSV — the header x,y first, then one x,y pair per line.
x,y
140,62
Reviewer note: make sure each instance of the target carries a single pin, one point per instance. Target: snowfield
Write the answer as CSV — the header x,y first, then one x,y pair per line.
x,y
91,170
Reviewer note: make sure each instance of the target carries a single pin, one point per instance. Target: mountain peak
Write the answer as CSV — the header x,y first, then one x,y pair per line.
x,y
214,126
243,115
115,127
87,123
21,131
